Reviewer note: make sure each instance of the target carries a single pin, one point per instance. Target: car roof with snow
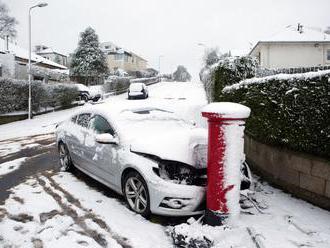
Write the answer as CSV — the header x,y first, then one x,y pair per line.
x,y
134,118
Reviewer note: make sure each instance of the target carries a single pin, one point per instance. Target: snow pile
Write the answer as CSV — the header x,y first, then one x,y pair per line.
x,y
228,110
278,77
233,159
11,166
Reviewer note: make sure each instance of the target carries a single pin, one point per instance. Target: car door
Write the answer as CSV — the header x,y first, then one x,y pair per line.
x,y
102,157
78,140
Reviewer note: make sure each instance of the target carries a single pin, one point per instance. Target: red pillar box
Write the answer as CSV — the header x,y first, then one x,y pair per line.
x,y
225,155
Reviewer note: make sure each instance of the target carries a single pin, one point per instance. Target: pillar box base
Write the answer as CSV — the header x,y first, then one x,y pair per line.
x,y
223,180
214,218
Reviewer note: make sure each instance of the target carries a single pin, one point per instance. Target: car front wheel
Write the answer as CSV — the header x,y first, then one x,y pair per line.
x,y
65,158
136,193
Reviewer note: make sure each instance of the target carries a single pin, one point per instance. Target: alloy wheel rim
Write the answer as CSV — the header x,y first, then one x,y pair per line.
x,y
136,194
64,157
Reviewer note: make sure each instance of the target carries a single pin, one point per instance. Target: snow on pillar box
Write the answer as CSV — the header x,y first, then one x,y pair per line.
x,y
225,155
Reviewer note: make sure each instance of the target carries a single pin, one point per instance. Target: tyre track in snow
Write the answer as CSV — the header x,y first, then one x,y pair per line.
x,y
39,159
80,220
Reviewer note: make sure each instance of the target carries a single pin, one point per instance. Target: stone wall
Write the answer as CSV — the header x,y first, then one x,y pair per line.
x,y
305,176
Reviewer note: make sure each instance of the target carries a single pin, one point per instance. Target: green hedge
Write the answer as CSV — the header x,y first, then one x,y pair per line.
x,y
227,71
14,95
292,111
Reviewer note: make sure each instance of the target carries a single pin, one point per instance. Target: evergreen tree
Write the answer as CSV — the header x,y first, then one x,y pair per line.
x,y
181,74
7,23
88,61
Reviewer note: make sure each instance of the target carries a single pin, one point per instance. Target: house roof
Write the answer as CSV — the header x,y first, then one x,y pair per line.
x,y
113,48
24,54
291,34
50,50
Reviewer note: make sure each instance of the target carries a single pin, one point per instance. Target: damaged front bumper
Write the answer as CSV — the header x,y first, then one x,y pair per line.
x,y
171,199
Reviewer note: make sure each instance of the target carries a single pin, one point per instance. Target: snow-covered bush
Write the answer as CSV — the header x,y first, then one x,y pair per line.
x,y
64,94
115,83
227,71
289,110
14,95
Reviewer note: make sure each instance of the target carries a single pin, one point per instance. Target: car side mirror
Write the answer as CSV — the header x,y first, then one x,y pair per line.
x,y
106,138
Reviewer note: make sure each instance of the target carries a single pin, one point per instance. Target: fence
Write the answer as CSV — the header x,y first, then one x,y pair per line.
x,y
263,72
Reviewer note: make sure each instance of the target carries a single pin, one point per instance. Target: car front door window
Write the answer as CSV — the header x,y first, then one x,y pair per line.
x,y
100,125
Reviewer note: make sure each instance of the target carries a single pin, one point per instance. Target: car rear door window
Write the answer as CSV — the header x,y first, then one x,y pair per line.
x,y
83,120
101,125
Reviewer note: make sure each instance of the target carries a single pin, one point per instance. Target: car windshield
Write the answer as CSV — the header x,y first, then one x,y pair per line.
x,y
147,121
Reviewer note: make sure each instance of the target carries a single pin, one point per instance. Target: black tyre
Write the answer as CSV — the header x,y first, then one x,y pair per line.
x,y
65,158
136,193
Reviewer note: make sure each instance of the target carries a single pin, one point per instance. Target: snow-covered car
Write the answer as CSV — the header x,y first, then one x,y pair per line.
x,y
85,95
137,90
149,155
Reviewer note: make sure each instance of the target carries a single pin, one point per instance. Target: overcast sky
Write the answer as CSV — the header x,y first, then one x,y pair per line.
x,y
171,28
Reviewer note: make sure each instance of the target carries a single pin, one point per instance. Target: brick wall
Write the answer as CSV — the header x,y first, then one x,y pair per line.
x,y
305,176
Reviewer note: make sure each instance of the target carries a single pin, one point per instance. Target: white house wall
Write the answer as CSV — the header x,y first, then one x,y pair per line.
x,y
291,55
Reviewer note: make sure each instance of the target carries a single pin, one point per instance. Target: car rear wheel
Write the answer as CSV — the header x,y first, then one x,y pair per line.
x,y
65,158
136,193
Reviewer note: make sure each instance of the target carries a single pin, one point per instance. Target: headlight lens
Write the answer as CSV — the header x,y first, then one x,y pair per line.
x,y
177,172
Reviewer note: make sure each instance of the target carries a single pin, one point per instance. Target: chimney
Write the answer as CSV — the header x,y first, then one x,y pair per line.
x,y
300,28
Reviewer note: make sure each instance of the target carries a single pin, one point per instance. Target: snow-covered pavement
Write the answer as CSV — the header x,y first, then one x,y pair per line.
x,y
61,209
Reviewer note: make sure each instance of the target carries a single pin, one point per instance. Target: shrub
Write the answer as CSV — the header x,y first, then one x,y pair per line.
x,y
227,71
64,94
14,94
287,110
115,83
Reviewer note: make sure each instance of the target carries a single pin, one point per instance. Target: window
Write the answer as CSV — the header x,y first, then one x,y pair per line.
x,y
328,54
83,120
100,125
107,47
118,56
74,118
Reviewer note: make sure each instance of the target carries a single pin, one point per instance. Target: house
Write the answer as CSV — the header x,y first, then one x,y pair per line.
x,y
293,47
51,54
14,64
120,58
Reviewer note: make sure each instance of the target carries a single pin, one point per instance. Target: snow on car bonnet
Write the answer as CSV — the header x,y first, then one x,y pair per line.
x,y
159,132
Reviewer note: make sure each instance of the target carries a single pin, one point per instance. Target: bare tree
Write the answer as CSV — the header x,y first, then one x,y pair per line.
x,y
7,23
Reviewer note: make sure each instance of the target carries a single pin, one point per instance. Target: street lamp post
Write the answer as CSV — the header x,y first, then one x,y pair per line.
x,y
160,56
40,5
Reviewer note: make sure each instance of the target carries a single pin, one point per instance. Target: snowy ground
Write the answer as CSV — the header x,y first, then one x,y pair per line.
x,y
60,209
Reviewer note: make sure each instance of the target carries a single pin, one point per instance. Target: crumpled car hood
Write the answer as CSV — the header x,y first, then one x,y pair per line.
x,y
176,146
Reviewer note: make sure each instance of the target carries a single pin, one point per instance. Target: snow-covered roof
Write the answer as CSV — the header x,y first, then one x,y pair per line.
x,y
50,50
112,47
291,34
24,54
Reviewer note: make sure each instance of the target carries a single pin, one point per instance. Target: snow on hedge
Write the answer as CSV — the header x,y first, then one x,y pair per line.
x,y
280,77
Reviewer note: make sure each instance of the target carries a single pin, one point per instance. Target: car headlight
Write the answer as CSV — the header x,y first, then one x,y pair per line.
x,y
177,172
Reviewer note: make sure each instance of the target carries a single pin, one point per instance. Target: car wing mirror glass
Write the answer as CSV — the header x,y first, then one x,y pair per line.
x,y
106,138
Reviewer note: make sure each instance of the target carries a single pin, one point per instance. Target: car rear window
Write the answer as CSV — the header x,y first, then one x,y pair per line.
x,y
136,87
